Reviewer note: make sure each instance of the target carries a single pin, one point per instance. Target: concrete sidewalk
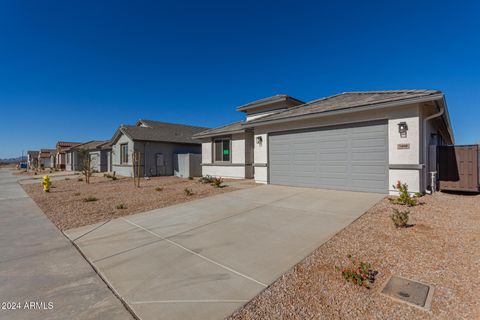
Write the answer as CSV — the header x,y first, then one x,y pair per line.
x,y
206,258
38,264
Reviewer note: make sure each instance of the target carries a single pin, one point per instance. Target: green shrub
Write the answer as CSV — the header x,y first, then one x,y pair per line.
x,y
121,206
400,218
190,178
359,273
89,199
114,178
404,197
418,195
188,192
207,179
217,182
158,189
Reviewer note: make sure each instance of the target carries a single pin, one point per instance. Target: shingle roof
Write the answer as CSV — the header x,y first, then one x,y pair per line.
x,y
226,129
89,145
162,132
46,153
347,100
269,100
64,144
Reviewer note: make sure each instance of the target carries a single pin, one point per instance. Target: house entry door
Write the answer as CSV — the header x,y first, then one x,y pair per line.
x,y
160,164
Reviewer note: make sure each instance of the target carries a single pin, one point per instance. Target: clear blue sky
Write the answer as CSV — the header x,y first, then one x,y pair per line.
x,y
76,70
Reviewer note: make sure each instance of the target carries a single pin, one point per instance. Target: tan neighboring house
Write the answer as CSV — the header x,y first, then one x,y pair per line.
x,y
46,158
32,159
60,156
359,141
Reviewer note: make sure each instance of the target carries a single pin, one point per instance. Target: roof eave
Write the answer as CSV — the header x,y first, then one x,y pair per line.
x,y
263,122
446,117
217,134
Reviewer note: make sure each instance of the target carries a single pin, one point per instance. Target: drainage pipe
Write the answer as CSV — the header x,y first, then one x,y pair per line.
x,y
426,143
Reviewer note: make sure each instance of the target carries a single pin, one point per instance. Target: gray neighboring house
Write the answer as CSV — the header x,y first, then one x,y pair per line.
x,y
100,156
74,156
157,142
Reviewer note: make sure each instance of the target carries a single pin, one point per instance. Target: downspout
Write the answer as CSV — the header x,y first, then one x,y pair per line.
x,y
426,143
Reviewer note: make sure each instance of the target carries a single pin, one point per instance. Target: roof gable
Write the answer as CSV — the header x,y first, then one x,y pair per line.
x,y
348,100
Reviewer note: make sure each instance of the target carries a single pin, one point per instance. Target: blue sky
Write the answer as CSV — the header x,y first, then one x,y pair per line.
x,y
76,70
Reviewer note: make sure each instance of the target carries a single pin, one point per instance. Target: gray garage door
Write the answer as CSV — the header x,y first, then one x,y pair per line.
x,y
353,157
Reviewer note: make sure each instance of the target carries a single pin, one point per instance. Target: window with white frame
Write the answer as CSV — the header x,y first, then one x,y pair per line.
x,y
124,153
222,150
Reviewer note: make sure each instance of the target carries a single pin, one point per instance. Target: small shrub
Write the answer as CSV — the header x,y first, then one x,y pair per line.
x,y
80,179
107,175
188,192
418,194
89,199
121,206
190,178
76,194
400,218
158,189
207,179
404,197
217,182
114,178
359,273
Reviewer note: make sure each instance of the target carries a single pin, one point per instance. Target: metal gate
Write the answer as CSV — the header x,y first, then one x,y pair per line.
x,y
458,168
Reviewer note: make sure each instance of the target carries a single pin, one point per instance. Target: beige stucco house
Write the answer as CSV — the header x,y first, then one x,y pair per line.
x,y
360,141
60,155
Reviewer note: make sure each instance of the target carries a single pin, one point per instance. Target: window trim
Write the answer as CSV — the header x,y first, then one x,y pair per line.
x,y
214,140
123,154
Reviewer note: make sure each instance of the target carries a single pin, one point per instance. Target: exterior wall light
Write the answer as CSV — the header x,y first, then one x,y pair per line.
x,y
402,129
259,140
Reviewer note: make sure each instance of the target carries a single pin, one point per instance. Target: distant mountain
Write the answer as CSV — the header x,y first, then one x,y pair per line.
x,y
14,160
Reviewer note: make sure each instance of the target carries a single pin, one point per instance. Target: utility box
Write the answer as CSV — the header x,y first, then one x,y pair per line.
x,y
187,165
458,168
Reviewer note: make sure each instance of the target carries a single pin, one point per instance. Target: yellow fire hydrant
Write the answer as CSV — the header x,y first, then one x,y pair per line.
x,y
46,183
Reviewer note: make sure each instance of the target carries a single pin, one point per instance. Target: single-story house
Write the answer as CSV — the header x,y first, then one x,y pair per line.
x,y
156,142
76,154
32,159
60,156
46,158
100,156
360,141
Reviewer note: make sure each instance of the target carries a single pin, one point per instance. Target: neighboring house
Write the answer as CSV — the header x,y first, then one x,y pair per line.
x,y
32,159
360,141
100,155
46,158
157,142
75,156
60,156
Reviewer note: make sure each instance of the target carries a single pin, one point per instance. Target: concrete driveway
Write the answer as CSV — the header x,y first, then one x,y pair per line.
x,y
206,258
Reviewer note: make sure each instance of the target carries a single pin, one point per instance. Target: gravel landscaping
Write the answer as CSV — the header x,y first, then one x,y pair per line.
x,y
72,203
441,248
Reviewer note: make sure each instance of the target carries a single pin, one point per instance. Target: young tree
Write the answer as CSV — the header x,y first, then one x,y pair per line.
x,y
84,158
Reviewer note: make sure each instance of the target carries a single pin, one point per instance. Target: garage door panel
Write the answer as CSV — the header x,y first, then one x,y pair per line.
x,y
369,156
365,143
346,158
